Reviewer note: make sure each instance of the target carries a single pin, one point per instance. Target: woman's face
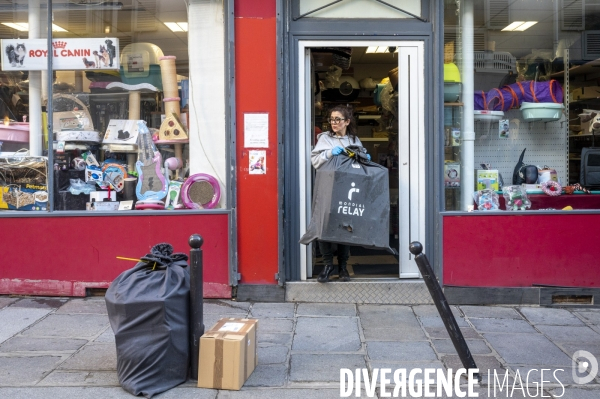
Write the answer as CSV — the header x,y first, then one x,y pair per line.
x,y
340,127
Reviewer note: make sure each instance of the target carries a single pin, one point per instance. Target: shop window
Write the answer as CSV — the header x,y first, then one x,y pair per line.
x,y
531,92
359,9
119,110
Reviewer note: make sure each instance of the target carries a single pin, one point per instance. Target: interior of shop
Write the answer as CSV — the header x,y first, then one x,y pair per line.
x,y
366,79
536,96
120,109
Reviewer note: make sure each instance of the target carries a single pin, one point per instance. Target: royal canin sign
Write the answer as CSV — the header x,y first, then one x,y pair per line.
x,y
67,54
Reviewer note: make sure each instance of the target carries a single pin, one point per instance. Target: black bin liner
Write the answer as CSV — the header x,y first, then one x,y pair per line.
x,y
148,309
351,203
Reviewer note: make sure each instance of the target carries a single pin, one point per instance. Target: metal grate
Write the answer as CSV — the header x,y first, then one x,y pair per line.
x,y
546,144
395,292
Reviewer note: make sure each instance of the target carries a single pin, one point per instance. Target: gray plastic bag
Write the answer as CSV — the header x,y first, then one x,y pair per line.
x,y
148,310
351,203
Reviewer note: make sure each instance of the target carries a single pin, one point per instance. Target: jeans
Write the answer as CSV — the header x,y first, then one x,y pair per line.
x,y
327,248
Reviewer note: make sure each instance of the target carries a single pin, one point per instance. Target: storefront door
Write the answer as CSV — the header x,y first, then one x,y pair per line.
x,y
396,140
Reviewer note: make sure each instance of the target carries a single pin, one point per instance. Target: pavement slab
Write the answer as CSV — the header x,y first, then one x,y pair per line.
x,y
326,334
442,333
69,326
326,309
93,357
272,354
319,368
273,310
550,375
225,307
386,316
5,301
41,303
265,339
288,393
15,319
32,344
509,326
81,378
570,334
435,321
591,317
490,312
275,325
484,363
476,346
576,393
408,366
551,316
78,306
25,371
267,375
527,349
400,333
108,336
431,310
400,351
100,393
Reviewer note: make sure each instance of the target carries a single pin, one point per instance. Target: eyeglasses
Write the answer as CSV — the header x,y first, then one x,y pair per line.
x,y
336,120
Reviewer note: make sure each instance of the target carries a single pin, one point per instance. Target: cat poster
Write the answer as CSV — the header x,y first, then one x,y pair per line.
x,y
121,131
67,54
258,162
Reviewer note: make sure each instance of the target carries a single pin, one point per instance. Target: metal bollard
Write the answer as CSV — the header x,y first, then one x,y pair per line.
x,y
197,301
416,248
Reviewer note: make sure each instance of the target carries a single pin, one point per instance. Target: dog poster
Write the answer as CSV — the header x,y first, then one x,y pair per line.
x,y
121,131
67,54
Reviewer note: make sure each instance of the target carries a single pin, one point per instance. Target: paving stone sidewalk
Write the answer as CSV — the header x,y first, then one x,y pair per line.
x,y
64,347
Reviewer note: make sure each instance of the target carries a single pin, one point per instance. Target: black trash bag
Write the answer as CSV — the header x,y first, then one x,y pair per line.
x,y
351,203
148,310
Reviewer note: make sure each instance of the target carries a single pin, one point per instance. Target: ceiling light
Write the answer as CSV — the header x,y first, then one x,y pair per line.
x,y
519,26
177,26
526,25
24,26
377,49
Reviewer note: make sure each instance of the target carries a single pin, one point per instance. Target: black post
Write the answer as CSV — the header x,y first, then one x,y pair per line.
x,y
197,301
416,248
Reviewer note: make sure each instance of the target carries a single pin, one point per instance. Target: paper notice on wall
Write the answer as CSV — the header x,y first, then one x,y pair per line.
x,y
258,162
256,130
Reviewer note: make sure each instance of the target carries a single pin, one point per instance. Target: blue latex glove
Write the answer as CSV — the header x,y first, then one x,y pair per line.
x,y
368,157
337,150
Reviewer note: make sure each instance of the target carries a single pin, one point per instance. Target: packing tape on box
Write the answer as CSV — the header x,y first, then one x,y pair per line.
x,y
219,336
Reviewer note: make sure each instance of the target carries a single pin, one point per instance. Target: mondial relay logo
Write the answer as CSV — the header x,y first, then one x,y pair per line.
x,y
349,207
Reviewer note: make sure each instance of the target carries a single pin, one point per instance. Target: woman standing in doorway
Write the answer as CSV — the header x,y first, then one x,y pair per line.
x,y
331,144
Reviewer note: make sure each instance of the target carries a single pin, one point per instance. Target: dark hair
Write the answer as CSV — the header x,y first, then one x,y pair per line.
x,y
346,111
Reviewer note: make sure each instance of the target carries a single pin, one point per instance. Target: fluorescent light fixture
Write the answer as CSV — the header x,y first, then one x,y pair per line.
x,y
24,26
177,26
519,26
377,49
526,25
82,5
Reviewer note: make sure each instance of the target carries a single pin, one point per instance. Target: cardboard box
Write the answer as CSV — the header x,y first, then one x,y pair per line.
x,y
487,179
227,354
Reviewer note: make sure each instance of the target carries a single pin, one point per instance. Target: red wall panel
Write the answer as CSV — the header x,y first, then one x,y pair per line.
x,y
65,255
255,9
256,92
519,251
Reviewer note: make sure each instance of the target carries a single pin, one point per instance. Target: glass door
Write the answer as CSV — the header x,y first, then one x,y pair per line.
x,y
383,84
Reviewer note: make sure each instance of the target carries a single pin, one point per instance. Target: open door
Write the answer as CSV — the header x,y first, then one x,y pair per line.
x,y
389,115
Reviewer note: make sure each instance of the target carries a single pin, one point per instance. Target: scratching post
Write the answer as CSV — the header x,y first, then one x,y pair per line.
x,y
134,114
172,104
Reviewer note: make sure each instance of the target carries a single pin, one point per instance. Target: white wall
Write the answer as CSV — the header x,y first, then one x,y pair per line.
x,y
208,135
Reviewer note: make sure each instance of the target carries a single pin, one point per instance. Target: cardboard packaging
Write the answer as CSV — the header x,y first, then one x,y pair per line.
x,y
487,179
227,354
585,93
